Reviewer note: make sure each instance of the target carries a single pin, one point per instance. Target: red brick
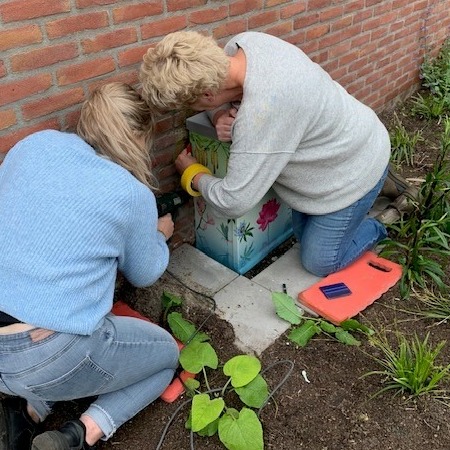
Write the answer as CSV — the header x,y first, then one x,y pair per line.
x,y
292,10
84,71
264,18
356,5
88,3
43,57
280,29
71,120
178,5
163,27
52,103
8,141
7,118
270,3
2,69
133,12
333,13
130,77
317,31
113,39
314,5
208,15
244,6
19,37
306,20
132,56
230,28
74,23
19,89
19,10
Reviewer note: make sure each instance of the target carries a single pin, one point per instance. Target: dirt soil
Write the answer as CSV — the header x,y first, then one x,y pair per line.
x,y
335,410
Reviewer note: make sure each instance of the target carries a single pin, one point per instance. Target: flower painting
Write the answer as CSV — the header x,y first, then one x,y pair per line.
x,y
268,213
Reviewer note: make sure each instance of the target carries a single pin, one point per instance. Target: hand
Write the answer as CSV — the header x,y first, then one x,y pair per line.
x,y
166,225
183,161
224,120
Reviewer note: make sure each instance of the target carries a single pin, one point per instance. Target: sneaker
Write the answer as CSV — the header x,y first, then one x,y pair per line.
x,y
394,184
69,437
17,428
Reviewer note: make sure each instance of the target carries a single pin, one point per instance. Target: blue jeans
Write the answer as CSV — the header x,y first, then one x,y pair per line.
x,y
127,363
332,241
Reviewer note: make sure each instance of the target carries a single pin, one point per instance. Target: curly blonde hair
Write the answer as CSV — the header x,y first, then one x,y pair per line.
x,y
180,68
117,122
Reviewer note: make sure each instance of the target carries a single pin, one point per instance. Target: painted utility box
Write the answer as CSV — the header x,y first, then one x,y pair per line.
x,y
240,243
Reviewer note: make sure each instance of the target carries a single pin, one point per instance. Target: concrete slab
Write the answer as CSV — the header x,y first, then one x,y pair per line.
x,y
198,271
288,270
248,307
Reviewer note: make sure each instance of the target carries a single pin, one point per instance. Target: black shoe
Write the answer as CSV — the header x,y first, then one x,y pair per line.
x,y
17,428
69,437
394,184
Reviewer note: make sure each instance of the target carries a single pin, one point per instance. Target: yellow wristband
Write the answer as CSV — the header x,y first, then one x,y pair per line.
x,y
189,174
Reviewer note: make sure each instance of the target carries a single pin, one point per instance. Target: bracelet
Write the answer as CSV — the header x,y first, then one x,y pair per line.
x,y
189,174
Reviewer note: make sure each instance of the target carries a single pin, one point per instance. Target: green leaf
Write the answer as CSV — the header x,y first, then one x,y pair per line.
x,y
197,355
184,330
242,369
169,300
255,393
327,326
303,334
353,324
205,411
191,384
210,429
286,308
346,338
242,433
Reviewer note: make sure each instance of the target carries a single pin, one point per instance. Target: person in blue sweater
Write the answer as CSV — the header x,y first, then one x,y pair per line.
x,y
74,210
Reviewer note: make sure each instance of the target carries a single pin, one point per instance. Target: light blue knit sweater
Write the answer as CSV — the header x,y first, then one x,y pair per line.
x,y
68,220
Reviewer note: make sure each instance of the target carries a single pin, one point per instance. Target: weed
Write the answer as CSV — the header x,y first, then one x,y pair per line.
x,y
403,144
287,309
410,368
421,241
435,75
435,305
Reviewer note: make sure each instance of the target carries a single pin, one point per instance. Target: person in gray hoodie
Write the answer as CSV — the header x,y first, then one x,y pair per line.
x,y
296,130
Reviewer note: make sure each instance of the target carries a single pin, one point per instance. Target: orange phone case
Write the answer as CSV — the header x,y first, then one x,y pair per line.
x,y
176,388
367,279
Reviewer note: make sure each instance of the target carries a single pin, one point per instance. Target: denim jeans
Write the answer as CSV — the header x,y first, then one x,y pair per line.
x,y
332,241
126,363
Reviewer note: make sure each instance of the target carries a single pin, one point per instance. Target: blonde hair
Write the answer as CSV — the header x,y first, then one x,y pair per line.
x,y
118,123
180,68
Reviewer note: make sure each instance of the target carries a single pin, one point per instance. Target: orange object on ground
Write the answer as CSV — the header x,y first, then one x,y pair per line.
x,y
176,388
344,294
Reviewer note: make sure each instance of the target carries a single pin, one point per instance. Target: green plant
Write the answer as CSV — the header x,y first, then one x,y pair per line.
x,y
434,305
429,107
421,241
435,72
403,144
435,76
287,309
411,367
210,413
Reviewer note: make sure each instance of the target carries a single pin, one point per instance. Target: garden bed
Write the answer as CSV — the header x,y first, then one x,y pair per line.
x,y
336,408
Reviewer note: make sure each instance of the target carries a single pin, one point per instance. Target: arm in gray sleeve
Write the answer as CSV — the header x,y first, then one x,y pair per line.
x,y
249,176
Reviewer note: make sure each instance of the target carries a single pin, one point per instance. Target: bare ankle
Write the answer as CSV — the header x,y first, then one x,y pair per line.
x,y
93,431
33,414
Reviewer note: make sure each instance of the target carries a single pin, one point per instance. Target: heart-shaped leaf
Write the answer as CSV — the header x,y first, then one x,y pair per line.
x,y
255,393
241,433
205,411
197,355
242,369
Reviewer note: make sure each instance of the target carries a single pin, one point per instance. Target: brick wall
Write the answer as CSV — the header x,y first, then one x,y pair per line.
x,y
52,53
